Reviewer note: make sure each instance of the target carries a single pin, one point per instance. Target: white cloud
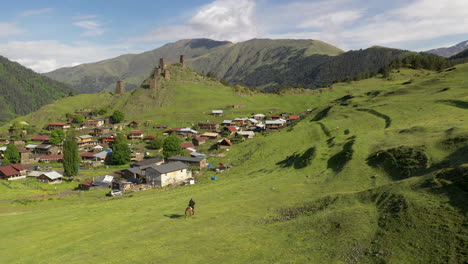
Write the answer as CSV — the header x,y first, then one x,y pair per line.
x,y
232,20
9,29
92,28
47,55
35,12
84,17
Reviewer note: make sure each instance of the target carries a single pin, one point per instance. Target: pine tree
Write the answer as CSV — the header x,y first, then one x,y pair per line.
x,y
171,146
121,153
71,159
12,154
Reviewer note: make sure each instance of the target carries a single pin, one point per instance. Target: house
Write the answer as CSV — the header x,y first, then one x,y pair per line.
x,y
160,126
240,121
99,131
199,140
184,132
98,148
230,129
103,181
31,147
149,162
13,172
252,121
217,112
196,162
94,122
49,158
228,123
274,124
133,173
25,155
51,177
169,173
238,106
83,139
86,185
275,117
108,138
208,126
40,138
246,134
259,117
88,156
58,125
45,149
134,123
149,138
186,145
210,135
224,144
136,135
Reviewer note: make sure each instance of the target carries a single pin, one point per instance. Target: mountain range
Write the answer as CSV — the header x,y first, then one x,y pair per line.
x,y
450,51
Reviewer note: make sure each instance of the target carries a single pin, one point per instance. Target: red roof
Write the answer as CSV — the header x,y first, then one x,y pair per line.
x,y
8,170
202,138
227,141
58,124
40,138
136,122
187,145
87,182
137,132
275,116
52,157
294,117
231,129
18,167
150,137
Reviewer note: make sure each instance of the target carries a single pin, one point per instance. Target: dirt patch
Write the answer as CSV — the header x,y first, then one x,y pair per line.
x,y
400,162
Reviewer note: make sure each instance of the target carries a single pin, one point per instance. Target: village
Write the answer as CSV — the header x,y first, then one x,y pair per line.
x,y
41,153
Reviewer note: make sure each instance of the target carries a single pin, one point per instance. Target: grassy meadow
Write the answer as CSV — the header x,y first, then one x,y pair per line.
x,y
377,173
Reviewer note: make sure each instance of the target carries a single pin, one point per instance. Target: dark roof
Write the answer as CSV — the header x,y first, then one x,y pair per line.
x,y
185,159
170,167
148,161
8,170
226,142
135,170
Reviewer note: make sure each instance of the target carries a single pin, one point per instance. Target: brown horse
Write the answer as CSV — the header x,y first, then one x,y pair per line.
x,y
189,212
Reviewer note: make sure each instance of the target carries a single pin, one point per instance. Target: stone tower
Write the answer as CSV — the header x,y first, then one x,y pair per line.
x,y
157,72
167,75
182,60
119,88
153,83
162,64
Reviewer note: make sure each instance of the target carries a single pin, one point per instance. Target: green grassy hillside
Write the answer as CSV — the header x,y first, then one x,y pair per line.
x,y
377,173
23,91
226,59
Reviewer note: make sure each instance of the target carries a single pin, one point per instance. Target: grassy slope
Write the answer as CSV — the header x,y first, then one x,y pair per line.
x,y
351,217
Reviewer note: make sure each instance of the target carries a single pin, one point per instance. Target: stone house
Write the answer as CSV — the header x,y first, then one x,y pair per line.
x,y
166,174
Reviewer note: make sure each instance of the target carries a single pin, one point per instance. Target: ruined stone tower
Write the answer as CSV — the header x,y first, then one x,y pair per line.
x,y
182,60
119,88
153,83
162,64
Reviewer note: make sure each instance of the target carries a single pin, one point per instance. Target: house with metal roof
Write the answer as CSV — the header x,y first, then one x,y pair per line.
x,y
166,174
51,177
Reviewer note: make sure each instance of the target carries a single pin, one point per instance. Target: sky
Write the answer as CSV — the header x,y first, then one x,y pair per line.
x,y
46,35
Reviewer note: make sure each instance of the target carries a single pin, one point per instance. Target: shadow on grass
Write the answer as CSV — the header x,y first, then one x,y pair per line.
x,y
174,216
456,103
298,161
338,161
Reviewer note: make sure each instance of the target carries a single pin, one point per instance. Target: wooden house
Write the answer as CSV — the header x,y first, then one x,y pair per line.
x,y
99,131
160,126
46,149
259,117
58,125
84,139
241,121
199,162
136,135
49,158
274,124
13,172
197,141
40,138
94,122
230,129
224,144
51,177
210,135
246,134
217,112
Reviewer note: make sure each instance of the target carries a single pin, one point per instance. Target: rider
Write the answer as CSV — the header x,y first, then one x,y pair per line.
x,y
192,205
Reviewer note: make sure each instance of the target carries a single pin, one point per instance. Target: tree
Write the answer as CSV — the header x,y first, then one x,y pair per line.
x,y
12,154
79,118
57,136
6,161
171,146
71,159
121,153
156,144
118,116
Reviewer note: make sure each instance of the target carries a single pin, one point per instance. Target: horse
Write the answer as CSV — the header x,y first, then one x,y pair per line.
x,y
189,212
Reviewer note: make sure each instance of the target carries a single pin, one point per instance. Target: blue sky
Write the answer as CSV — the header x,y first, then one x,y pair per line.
x,y
46,35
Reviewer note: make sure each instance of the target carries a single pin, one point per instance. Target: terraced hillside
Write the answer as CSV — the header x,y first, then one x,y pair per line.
x,y
377,173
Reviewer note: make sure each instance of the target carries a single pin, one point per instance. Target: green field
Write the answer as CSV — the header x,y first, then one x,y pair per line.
x,y
316,192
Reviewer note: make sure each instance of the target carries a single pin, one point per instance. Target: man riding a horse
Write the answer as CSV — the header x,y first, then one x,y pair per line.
x,y
192,205
190,209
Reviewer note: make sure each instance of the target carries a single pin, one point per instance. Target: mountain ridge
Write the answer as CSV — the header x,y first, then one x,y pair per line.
x,y
449,51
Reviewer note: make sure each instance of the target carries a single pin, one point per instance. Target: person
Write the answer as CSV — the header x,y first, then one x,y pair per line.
x,y
192,205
